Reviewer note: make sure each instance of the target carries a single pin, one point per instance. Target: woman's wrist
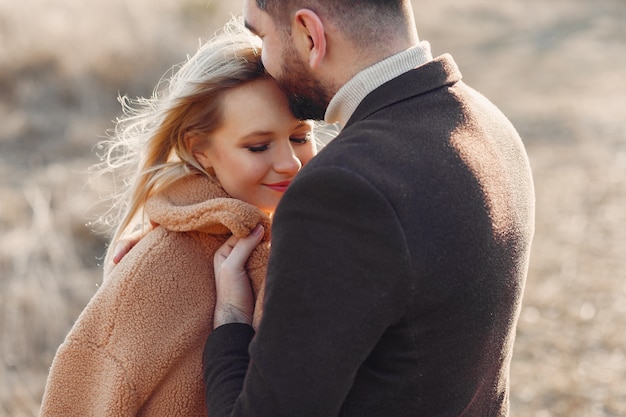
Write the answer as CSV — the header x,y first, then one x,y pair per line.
x,y
226,313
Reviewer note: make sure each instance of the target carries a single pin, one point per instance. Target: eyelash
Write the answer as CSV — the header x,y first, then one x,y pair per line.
x,y
257,148
299,141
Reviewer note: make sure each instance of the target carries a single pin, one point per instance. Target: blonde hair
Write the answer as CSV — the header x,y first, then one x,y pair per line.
x,y
146,151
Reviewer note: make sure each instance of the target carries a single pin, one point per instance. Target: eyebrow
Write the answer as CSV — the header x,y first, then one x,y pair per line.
x,y
257,133
262,133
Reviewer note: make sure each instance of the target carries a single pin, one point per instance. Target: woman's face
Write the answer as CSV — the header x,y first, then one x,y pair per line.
x,y
260,146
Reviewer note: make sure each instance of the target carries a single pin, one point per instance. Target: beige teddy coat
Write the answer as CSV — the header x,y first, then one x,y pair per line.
x,y
136,349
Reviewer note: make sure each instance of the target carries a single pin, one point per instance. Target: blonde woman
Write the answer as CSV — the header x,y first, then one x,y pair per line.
x,y
206,158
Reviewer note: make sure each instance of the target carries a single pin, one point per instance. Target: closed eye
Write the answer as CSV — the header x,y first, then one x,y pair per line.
x,y
302,140
259,148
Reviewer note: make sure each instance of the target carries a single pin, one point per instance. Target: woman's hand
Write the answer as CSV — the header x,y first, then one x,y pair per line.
x,y
235,301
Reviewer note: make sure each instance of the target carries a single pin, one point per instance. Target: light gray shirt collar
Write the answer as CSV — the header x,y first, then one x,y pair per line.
x,y
345,102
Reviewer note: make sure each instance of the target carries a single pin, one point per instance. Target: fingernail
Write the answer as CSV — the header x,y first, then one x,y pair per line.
x,y
258,230
117,252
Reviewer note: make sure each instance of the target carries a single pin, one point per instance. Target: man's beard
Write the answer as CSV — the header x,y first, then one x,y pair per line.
x,y
304,108
307,97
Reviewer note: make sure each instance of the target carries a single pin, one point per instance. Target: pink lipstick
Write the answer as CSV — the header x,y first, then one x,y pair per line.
x,y
279,186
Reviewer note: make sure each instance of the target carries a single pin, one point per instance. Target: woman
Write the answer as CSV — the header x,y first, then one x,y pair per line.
x,y
211,157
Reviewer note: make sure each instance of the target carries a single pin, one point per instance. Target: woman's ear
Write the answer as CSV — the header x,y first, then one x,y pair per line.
x,y
197,145
311,37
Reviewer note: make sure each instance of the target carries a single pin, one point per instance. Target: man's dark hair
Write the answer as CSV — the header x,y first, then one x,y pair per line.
x,y
363,21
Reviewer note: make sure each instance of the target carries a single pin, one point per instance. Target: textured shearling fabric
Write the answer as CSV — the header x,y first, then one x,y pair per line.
x,y
136,348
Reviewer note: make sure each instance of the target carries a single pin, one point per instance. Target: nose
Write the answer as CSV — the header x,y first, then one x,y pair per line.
x,y
286,160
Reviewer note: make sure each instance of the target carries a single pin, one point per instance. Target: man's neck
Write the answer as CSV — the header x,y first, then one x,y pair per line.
x,y
348,97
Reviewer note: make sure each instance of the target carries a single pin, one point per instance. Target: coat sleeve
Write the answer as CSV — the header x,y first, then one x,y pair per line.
x,y
85,381
337,278
136,333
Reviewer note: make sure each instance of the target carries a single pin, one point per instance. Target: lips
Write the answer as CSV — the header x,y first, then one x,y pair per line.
x,y
279,186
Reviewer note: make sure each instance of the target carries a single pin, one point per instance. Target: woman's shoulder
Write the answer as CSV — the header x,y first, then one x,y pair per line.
x,y
163,250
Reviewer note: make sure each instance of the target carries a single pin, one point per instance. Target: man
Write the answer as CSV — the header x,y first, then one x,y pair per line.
x,y
399,253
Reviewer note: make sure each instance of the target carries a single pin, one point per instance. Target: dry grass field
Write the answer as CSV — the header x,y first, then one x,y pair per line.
x,y
557,68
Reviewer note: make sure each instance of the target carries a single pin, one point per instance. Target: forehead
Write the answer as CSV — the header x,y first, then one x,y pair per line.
x,y
258,105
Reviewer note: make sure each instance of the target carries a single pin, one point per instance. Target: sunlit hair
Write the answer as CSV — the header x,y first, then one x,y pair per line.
x,y
146,151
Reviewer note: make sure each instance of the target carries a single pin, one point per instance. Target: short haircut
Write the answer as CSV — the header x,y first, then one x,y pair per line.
x,y
363,21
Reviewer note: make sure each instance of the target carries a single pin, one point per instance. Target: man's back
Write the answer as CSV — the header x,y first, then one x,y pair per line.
x,y
431,218
399,256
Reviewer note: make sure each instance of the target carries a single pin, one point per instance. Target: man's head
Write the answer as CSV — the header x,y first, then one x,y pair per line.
x,y
313,47
362,21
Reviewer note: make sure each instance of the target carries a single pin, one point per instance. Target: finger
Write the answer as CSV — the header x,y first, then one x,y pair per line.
x,y
244,246
122,247
223,251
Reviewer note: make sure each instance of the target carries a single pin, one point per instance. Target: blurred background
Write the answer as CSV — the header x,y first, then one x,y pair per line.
x,y
557,68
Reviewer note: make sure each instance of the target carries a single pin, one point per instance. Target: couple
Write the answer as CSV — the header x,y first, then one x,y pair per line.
x,y
398,254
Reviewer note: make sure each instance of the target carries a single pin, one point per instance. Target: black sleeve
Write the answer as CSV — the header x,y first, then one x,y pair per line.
x,y
336,281
225,361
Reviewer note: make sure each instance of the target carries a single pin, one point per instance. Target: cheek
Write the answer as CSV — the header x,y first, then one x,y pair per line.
x,y
228,172
305,153
247,172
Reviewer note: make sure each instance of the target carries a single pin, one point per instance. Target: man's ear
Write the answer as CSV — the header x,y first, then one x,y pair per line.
x,y
311,38
196,144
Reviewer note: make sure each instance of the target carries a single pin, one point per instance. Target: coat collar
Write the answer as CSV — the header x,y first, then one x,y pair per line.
x,y
199,203
352,93
435,74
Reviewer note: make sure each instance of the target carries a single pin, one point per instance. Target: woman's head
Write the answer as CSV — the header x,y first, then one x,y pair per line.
x,y
192,103
258,148
155,141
